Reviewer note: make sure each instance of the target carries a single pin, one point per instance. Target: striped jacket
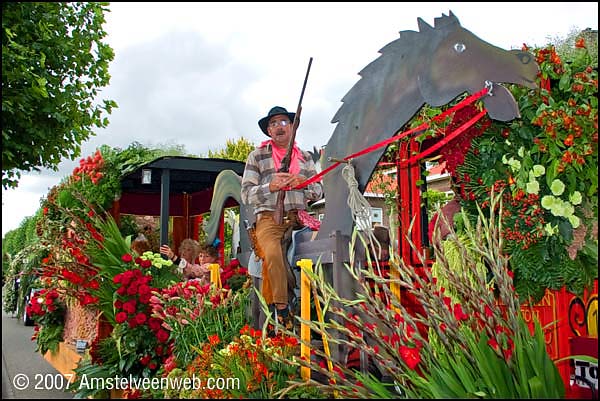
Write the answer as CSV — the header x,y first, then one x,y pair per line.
x,y
257,176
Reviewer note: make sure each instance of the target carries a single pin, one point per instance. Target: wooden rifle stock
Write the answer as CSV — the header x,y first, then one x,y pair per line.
x,y
285,162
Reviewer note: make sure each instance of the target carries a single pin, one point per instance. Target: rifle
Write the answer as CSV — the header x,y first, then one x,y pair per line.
x,y
258,252
285,162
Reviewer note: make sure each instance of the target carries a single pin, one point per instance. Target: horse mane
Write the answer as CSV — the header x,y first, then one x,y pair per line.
x,y
399,50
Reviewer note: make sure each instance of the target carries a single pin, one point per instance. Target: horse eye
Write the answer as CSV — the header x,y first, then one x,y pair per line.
x,y
460,47
524,58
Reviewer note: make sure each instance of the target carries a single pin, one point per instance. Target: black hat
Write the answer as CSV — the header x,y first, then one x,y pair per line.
x,y
275,111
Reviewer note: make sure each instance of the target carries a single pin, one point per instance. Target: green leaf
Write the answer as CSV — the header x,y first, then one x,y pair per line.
x,y
565,82
551,172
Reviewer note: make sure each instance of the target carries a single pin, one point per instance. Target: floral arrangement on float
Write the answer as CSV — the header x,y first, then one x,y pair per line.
x,y
466,340
545,164
47,309
250,365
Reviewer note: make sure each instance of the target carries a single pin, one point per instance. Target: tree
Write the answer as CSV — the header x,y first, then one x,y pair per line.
x,y
53,64
234,150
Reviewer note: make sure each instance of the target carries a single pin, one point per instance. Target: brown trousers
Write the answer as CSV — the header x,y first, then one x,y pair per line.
x,y
274,275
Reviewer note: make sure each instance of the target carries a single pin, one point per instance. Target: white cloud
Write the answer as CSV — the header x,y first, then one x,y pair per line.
x,y
199,73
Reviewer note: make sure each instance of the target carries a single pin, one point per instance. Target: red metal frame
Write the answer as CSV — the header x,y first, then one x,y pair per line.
x,y
409,203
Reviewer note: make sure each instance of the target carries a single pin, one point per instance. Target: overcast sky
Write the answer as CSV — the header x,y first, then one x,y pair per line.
x,y
197,74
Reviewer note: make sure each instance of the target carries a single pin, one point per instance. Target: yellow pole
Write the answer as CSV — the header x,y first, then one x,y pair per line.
x,y
323,335
305,289
395,275
305,266
215,274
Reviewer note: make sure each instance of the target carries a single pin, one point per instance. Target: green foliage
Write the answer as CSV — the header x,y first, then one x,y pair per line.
x,y
10,290
54,62
49,337
234,150
12,243
435,200
128,226
25,266
87,370
530,374
15,240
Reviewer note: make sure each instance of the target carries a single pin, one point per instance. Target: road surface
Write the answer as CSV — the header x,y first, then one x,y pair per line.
x,y
25,373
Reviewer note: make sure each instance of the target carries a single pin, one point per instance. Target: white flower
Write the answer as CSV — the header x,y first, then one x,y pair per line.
x,y
550,229
557,187
533,187
561,208
521,151
548,201
575,198
224,351
539,170
515,165
568,209
558,208
574,220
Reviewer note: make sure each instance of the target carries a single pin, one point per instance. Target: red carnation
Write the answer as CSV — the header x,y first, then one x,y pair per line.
x,y
162,336
140,318
145,359
121,317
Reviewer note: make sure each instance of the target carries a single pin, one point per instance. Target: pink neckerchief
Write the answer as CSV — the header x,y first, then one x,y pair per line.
x,y
278,154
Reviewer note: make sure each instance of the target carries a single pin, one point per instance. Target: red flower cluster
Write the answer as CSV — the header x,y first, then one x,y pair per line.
x,y
506,345
454,151
72,264
90,166
134,288
42,302
134,308
549,54
233,272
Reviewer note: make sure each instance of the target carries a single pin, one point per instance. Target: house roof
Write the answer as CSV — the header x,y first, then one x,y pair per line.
x,y
386,180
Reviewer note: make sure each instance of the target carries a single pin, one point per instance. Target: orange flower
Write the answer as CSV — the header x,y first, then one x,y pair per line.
x,y
569,140
214,339
580,44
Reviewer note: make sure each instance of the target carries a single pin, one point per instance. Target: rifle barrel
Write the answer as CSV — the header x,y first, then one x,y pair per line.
x,y
303,88
285,162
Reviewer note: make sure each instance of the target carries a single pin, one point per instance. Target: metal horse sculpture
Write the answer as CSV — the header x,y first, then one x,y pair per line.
x,y
434,66
431,66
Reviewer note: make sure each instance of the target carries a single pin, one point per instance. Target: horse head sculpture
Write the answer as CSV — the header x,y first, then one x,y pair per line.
x,y
433,66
